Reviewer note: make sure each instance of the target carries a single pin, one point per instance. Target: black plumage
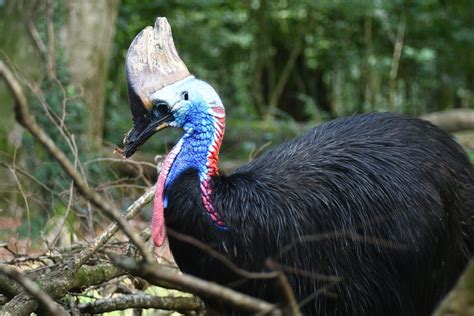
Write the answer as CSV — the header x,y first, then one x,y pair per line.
x,y
367,215
382,204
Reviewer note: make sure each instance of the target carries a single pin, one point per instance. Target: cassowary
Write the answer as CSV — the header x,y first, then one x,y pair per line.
x,y
367,215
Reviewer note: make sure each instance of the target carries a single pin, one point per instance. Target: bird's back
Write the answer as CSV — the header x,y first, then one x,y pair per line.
x,y
369,212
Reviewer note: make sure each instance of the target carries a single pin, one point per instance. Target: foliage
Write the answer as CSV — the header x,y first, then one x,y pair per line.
x,y
340,55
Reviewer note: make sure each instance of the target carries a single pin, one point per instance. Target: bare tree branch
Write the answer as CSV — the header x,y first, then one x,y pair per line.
x,y
162,276
285,75
100,241
179,304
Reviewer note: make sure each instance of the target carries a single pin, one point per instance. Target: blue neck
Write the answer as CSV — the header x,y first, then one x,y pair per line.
x,y
194,151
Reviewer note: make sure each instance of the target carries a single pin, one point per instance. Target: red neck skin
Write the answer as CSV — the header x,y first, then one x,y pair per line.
x,y
212,165
207,171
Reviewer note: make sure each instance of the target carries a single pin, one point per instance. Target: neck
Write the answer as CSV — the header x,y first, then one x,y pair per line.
x,y
197,149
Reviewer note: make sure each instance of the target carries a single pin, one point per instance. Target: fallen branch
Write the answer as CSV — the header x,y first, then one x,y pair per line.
x,y
452,121
8,288
165,277
44,300
57,283
179,304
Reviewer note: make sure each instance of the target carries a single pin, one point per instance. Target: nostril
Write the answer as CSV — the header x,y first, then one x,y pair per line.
x,y
163,108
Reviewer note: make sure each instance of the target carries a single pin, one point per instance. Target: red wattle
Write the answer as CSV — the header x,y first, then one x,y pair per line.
x,y
158,230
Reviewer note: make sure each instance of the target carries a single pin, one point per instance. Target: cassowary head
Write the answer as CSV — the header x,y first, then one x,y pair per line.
x,y
161,90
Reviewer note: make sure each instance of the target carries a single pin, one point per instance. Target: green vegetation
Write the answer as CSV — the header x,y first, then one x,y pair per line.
x,y
307,61
312,60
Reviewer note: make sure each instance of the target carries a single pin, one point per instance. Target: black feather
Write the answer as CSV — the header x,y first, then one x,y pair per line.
x,y
380,204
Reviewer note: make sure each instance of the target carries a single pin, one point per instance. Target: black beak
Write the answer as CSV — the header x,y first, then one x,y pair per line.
x,y
143,130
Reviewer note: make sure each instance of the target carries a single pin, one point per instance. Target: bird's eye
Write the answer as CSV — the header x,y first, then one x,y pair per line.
x,y
162,107
185,95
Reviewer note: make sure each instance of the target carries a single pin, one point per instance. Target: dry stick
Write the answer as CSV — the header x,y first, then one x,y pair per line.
x,y
132,210
219,256
179,304
309,274
161,276
28,121
34,290
285,74
288,294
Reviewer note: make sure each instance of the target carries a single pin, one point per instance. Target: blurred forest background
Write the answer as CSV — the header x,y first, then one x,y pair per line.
x,y
280,67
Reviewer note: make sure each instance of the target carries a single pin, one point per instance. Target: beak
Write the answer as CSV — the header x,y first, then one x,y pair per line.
x,y
143,130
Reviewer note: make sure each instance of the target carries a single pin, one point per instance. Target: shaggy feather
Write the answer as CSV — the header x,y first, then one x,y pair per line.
x,y
383,202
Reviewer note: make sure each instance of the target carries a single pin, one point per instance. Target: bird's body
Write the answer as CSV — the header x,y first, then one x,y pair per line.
x,y
369,208
366,215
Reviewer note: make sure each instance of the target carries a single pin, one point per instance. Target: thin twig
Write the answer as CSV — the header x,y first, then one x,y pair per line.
x,y
51,38
341,235
100,241
309,274
288,294
23,193
63,218
121,160
220,257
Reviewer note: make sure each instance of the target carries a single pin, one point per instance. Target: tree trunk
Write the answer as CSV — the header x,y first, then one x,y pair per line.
x,y
87,41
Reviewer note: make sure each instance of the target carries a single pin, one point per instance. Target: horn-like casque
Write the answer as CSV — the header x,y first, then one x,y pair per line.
x,y
152,63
